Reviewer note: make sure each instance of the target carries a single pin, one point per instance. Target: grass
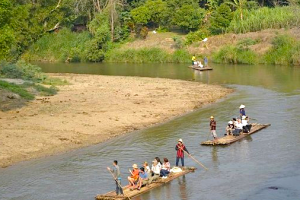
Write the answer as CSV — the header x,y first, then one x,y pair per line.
x,y
20,90
265,18
65,45
147,55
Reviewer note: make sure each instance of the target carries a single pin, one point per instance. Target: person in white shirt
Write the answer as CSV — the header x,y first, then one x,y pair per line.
x,y
155,169
238,128
246,125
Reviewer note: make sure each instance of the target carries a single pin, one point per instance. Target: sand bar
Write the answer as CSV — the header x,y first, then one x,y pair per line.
x,y
93,109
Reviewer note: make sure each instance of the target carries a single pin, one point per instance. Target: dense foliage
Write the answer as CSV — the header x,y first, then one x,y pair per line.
x,y
88,30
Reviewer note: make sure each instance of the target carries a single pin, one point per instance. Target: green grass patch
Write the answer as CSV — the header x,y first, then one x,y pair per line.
x,y
45,91
265,18
147,55
20,90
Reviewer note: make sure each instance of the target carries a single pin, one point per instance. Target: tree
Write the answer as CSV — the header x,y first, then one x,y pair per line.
x,y
220,19
241,5
188,17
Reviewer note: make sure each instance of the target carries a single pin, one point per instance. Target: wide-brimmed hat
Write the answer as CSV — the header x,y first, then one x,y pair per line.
x,y
180,140
211,117
230,122
242,106
135,166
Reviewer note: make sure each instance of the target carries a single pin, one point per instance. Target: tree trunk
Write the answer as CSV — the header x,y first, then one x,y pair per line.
x,y
112,19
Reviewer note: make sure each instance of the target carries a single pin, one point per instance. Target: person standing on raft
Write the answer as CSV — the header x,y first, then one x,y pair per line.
x,y
193,60
117,177
242,111
213,127
180,148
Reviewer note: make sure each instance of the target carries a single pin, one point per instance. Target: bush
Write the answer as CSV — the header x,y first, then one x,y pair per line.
x,y
22,70
196,36
235,55
285,51
220,19
178,42
181,56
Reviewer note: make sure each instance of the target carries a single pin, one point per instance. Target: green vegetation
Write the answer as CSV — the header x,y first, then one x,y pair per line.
x,y
90,30
264,18
32,77
147,55
235,55
20,90
285,51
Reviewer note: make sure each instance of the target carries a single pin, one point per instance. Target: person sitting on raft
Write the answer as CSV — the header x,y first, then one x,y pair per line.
x,y
155,169
146,168
134,176
242,111
200,64
158,161
165,170
229,128
246,125
143,178
238,128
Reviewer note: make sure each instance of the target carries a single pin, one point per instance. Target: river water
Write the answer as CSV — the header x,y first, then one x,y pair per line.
x,y
263,166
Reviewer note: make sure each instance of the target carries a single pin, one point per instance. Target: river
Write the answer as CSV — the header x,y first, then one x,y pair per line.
x,y
263,166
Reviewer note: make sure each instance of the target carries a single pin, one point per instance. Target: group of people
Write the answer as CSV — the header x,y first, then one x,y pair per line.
x,y
144,175
198,63
235,126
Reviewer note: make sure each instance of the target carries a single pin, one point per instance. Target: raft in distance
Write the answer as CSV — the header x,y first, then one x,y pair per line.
x,y
200,69
228,139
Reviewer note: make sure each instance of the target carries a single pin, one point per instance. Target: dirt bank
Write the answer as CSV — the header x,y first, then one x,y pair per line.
x,y
93,109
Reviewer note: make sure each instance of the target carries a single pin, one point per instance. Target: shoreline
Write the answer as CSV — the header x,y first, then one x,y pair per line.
x,y
94,109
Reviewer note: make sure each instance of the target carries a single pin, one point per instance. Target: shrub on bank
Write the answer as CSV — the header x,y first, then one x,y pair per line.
x,y
234,55
147,55
285,51
62,46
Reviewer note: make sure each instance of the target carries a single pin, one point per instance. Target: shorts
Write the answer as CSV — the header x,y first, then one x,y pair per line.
x,y
214,133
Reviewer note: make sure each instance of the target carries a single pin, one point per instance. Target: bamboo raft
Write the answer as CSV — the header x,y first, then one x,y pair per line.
x,y
157,183
200,69
228,139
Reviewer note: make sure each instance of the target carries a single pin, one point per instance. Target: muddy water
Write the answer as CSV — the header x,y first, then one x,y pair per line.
x,y
263,166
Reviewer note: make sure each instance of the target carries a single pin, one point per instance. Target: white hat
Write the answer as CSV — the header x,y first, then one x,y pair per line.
x,y
242,106
230,122
243,117
180,140
135,166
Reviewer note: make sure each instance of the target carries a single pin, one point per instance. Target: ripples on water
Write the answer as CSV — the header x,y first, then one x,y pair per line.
x,y
248,169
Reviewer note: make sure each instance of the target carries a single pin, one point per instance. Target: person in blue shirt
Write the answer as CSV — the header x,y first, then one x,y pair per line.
x,y
143,178
117,177
242,111
205,61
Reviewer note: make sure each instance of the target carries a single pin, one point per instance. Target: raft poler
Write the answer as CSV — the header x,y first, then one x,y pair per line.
x,y
180,148
213,127
242,111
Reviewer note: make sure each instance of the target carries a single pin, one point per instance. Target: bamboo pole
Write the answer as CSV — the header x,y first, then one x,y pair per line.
x,y
196,160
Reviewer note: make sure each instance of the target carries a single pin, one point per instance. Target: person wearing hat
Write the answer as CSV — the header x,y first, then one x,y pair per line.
x,y
242,110
229,128
117,177
239,128
134,176
213,127
180,148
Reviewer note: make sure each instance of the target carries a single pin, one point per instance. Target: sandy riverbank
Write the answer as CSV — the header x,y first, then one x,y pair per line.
x,y
93,109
